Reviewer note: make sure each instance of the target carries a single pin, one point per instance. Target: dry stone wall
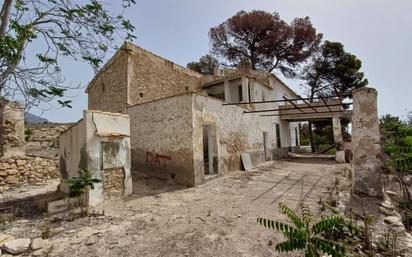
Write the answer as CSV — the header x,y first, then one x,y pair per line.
x,y
152,77
45,135
18,170
108,90
113,184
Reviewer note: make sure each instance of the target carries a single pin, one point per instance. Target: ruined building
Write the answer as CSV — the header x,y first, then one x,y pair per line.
x,y
180,127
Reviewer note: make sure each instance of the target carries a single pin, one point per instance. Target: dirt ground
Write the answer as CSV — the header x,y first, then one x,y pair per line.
x,y
217,218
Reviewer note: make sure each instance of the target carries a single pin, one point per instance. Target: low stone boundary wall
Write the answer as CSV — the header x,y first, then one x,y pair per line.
x,y
26,169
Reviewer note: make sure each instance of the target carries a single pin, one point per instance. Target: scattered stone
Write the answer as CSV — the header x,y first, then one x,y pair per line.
x,y
391,193
38,253
387,205
91,240
17,246
37,243
5,238
385,211
393,220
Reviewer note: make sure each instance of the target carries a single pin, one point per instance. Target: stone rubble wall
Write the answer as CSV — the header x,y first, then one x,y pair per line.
x,y
113,184
18,170
11,128
46,135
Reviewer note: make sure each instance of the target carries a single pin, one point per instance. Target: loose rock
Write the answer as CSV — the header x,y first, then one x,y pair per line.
x,y
17,246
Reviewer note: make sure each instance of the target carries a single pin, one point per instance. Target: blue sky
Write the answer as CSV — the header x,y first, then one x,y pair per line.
x,y
379,32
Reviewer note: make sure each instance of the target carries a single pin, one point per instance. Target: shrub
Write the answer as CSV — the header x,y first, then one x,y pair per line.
x,y
312,239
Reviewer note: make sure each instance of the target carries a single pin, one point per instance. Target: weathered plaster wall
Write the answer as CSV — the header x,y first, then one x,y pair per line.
x,y
161,139
72,150
82,147
108,90
152,77
236,133
11,129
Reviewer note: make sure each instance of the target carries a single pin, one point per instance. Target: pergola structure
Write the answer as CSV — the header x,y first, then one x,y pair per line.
x,y
365,147
308,109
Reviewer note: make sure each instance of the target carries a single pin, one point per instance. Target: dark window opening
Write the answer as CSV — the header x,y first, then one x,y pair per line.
x,y
278,141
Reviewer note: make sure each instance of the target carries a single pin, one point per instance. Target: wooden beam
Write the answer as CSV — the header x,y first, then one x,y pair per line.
x,y
306,102
277,101
311,113
297,107
326,104
288,109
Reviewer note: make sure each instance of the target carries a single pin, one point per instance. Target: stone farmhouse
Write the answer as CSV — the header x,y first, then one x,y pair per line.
x,y
182,126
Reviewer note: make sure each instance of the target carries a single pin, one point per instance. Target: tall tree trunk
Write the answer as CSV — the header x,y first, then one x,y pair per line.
x,y
5,16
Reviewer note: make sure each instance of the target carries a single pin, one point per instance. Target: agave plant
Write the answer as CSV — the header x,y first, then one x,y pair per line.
x,y
304,236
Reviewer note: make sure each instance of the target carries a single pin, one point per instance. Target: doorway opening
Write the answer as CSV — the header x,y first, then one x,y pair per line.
x,y
265,146
210,158
278,141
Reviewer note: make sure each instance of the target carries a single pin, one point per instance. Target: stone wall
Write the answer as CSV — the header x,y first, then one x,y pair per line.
x,y
42,139
135,76
153,77
108,90
113,182
11,128
46,135
18,170
366,147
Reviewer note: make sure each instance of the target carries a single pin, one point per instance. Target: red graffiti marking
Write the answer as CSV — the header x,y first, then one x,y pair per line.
x,y
155,158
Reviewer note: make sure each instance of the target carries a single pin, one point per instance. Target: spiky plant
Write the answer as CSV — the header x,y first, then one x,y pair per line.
x,y
304,236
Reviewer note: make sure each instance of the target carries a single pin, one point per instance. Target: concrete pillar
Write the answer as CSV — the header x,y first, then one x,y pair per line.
x,y
337,133
365,143
337,136
228,97
245,89
11,129
251,90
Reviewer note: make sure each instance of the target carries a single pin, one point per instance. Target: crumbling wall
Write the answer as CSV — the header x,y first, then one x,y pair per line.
x,y
108,90
11,128
366,147
236,132
152,77
42,139
99,142
161,139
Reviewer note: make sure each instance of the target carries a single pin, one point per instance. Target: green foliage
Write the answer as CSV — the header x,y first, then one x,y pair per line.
x,y
27,134
397,143
206,65
265,41
77,30
333,70
313,239
78,185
